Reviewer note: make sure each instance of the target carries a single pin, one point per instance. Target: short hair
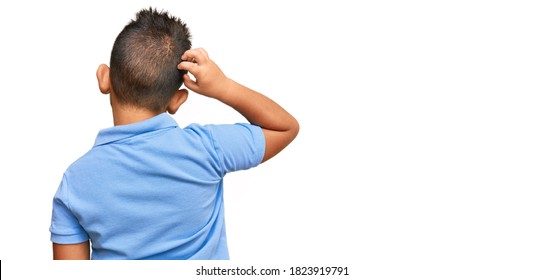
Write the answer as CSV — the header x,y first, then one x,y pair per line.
x,y
144,59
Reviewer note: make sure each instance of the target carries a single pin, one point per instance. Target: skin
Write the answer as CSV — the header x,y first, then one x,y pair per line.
x,y
278,126
80,251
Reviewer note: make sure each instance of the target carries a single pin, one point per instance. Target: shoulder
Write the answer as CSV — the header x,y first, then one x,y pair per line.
x,y
96,157
229,134
237,146
212,129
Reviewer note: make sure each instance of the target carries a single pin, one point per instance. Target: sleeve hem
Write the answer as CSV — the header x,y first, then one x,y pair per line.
x,y
68,239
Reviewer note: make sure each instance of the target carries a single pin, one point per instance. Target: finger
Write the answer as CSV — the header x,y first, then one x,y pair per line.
x,y
190,84
195,55
189,66
186,56
203,51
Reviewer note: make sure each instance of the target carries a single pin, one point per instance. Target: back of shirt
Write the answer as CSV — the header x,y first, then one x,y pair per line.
x,y
151,190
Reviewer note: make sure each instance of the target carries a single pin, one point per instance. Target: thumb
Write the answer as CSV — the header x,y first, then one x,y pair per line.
x,y
190,84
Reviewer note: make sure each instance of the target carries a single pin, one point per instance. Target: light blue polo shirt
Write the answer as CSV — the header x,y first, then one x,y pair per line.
x,y
151,190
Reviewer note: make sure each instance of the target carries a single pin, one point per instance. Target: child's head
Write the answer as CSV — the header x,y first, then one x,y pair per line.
x,y
143,66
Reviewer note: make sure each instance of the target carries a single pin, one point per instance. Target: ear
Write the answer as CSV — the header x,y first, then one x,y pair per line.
x,y
179,98
103,76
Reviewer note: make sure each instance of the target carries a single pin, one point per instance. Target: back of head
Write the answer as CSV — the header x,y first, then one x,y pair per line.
x,y
144,60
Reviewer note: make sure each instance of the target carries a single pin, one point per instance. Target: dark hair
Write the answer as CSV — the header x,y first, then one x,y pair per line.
x,y
144,59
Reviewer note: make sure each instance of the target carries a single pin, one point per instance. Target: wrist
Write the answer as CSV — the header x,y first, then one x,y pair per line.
x,y
227,92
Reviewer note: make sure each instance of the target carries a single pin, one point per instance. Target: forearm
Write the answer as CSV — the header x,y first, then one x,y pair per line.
x,y
257,108
278,126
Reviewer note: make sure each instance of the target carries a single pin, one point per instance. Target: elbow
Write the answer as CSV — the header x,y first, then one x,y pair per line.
x,y
294,129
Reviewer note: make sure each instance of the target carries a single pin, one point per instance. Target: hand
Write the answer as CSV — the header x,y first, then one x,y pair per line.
x,y
279,127
209,79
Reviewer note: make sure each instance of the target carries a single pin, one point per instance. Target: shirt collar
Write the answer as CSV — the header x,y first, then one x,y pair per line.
x,y
120,132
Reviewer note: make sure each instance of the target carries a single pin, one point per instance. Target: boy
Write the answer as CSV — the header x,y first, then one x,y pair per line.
x,y
148,189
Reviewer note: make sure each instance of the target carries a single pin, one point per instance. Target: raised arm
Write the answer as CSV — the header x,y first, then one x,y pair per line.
x,y
279,127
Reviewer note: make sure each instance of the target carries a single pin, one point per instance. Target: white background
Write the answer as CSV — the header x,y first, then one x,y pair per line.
x,y
420,154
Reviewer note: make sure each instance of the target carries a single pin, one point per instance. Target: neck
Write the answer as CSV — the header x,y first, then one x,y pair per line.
x,y
127,114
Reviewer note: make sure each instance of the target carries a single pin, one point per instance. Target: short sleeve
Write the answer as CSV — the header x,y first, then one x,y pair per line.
x,y
65,228
239,146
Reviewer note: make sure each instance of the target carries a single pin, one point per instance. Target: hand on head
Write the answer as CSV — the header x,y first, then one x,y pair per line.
x,y
209,79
